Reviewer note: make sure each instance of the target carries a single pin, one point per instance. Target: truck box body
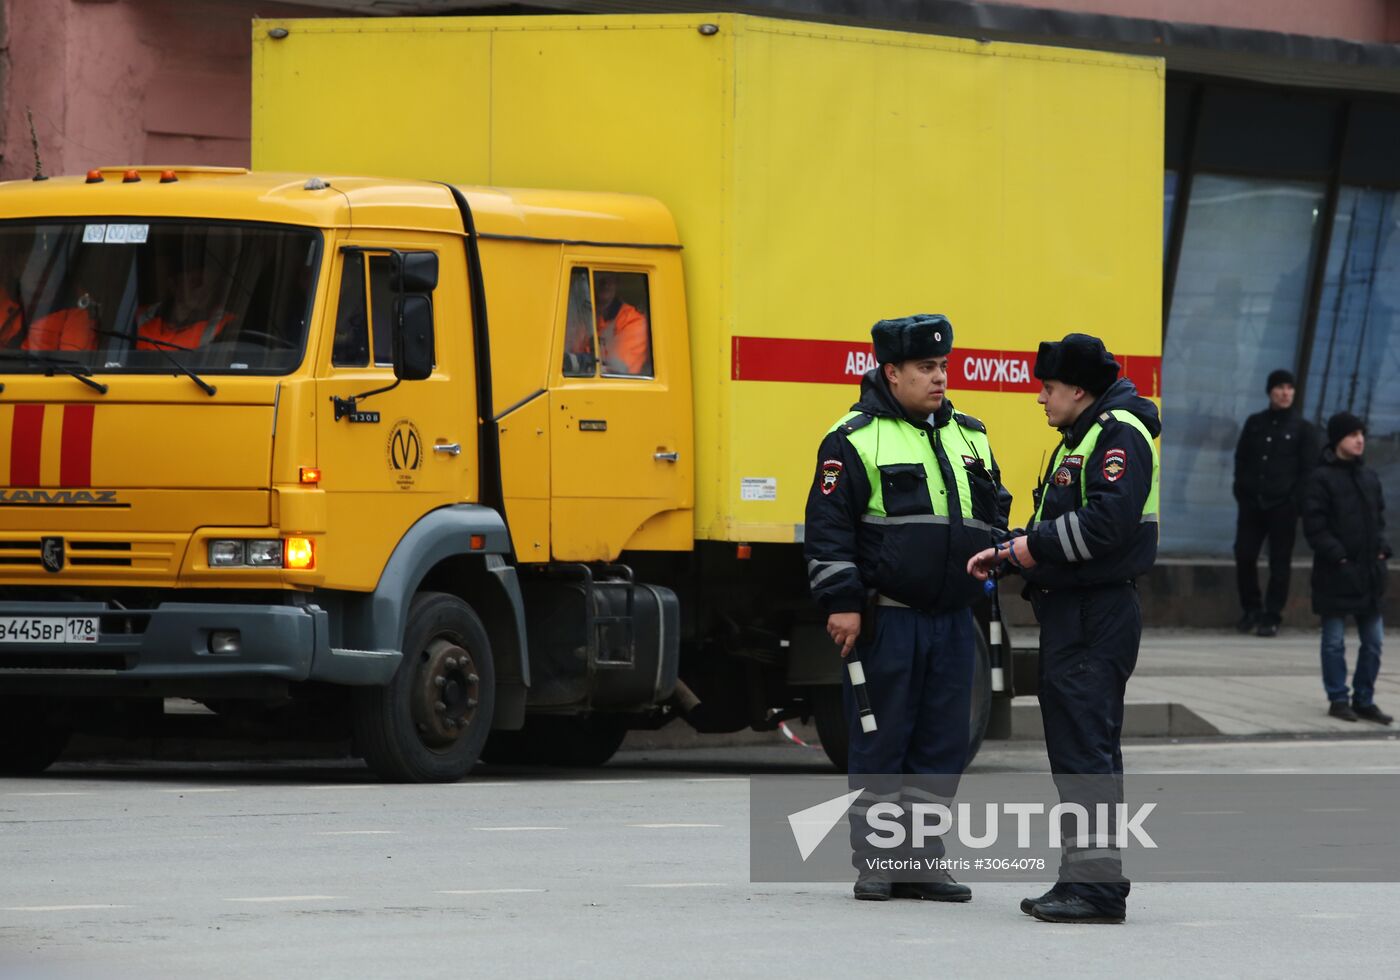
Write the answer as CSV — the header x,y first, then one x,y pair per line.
x,y
820,178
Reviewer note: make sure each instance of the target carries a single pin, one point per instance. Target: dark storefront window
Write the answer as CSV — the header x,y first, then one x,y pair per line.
x,y
1281,250
1237,313
1356,348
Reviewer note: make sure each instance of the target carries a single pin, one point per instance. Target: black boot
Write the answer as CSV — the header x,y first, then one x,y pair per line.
x,y
941,889
873,886
1342,710
1371,713
1029,903
1248,621
1072,908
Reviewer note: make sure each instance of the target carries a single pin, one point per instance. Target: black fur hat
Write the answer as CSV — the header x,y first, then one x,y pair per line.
x,y
1079,360
912,338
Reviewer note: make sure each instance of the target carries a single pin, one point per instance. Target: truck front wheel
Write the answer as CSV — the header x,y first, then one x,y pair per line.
x,y
429,723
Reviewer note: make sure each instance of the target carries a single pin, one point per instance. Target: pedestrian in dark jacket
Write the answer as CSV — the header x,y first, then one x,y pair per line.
x,y
1344,521
1276,450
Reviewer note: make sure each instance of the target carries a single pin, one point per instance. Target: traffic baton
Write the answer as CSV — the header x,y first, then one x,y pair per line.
x,y
857,674
994,636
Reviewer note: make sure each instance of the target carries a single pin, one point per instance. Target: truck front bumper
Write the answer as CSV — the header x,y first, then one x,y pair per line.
x,y
177,641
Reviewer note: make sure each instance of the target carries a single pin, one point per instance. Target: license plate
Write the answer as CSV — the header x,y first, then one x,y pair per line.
x,y
48,629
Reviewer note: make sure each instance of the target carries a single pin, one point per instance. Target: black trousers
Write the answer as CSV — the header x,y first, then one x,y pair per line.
x,y
1088,648
1280,526
918,672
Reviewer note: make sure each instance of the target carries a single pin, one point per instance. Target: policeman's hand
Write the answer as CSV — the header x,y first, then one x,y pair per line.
x,y
982,564
844,630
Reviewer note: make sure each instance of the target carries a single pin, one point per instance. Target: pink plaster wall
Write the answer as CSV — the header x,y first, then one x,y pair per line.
x,y
128,81
1376,21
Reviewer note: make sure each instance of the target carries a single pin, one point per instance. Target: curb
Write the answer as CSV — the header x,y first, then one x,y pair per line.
x,y
1141,719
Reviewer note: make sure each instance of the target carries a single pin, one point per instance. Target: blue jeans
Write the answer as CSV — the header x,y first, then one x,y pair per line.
x,y
1368,661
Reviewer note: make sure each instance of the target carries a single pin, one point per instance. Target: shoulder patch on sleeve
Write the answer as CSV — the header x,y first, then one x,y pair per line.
x,y
1115,464
1106,417
829,475
968,422
859,422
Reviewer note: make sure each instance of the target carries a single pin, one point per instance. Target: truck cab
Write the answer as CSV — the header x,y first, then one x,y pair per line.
x,y
263,454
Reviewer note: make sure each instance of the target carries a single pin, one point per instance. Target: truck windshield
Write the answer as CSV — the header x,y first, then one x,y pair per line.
x,y
132,295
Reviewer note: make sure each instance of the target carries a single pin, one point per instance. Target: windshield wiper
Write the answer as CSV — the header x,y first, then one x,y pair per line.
x,y
80,371
163,347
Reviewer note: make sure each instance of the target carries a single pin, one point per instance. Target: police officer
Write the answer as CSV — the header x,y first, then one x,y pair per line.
x,y
906,491
1094,532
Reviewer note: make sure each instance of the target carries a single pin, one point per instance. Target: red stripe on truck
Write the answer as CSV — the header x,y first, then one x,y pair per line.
x,y
26,441
837,362
75,460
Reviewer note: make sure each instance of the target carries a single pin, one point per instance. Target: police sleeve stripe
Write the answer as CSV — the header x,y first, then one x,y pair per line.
x,y
826,570
1078,535
1063,531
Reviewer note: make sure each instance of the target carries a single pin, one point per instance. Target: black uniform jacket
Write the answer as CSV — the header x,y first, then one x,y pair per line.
x,y
919,564
1344,521
1276,450
1104,541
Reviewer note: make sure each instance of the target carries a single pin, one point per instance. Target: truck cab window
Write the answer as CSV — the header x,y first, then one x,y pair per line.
x,y
351,319
127,295
624,324
361,325
381,307
580,356
607,328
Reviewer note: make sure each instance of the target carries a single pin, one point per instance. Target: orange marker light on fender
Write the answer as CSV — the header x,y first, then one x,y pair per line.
x,y
744,552
478,542
298,553
310,474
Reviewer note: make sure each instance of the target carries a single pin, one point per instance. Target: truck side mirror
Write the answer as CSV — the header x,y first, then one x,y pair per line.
x,y
418,272
413,337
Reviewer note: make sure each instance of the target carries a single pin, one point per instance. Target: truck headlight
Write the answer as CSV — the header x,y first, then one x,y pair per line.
x,y
226,553
265,554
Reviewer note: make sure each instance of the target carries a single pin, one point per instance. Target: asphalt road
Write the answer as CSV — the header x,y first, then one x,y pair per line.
x,y
637,869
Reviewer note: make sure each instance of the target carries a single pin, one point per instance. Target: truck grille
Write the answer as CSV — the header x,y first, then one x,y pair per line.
x,y
81,553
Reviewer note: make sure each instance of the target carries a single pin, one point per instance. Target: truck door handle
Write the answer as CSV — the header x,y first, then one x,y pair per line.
x,y
666,457
451,448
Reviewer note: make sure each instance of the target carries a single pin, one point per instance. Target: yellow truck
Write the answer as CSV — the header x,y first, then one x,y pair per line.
x,y
428,456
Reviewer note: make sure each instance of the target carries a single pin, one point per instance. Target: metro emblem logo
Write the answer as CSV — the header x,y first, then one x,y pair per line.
x,y
71,463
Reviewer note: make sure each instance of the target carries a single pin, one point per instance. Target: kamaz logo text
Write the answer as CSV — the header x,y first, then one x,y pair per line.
x,y
59,498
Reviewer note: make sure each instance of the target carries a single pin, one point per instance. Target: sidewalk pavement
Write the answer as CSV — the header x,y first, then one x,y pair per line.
x,y
1197,682
1241,684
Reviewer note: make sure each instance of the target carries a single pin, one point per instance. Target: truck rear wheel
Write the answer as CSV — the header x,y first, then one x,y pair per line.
x,y
30,741
834,730
429,723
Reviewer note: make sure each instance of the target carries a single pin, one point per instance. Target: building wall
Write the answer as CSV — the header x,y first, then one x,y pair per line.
x,y
1376,21
126,81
